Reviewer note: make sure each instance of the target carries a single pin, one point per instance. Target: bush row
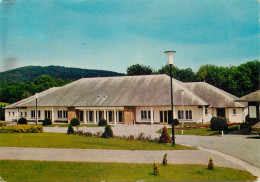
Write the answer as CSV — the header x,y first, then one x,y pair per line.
x,y
21,129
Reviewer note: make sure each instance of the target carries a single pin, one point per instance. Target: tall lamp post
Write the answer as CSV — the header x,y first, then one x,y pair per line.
x,y
182,92
36,112
170,62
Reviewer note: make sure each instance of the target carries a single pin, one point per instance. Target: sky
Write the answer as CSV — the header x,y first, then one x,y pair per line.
x,y
112,35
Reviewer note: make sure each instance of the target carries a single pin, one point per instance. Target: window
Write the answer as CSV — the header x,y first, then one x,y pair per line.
x,y
206,111
149,114
120,115
9,113
65,114
91,115
59,114
110,116
188,114
161,116
234,111
32,113
21,113
39,114
13,113
25,114
180,114
143,114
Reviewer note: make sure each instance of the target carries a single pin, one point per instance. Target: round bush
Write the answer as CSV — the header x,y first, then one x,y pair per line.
x,y
176,121
22,121
218,124
74,122
108,132
102,122
46,121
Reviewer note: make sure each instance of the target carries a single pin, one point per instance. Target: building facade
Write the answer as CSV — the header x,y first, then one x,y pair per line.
x,y
129,100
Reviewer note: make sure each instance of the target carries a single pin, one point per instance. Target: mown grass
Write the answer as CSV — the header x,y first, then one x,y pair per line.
x,y
61,140
201,131
13,170
81,125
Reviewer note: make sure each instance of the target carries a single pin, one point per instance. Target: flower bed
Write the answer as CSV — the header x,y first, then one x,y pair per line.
x,y
201,126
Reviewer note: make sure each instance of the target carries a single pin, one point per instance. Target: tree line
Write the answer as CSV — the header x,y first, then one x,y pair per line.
x,y
237,80
11,92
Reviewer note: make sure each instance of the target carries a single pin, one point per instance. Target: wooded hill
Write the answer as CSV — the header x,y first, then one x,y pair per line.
x,y
30,73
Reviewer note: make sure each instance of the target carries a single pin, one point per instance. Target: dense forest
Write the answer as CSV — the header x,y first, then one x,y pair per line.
x,y
237,80
24,82
30,73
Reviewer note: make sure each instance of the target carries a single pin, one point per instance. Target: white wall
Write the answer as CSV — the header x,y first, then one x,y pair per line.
x,y
11,114
196,113
235,118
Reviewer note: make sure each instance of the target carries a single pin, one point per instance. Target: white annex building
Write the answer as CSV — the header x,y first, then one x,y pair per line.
x,y
129,100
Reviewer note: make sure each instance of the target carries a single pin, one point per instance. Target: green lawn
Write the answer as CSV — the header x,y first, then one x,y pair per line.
x,y
201,131
66,125
61,140
13,170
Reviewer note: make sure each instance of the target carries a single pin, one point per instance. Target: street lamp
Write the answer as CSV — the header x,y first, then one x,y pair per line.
x,y
182,92
36,112
170,62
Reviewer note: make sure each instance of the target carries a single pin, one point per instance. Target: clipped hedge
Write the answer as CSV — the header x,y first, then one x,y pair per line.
x,y
75,122
102,122
21,129
218,124
22,121
46,121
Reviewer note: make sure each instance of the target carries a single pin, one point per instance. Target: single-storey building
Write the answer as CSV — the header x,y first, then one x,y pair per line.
x,y
129,100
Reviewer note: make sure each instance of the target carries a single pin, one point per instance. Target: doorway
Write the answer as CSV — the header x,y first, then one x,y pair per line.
x,y
221,112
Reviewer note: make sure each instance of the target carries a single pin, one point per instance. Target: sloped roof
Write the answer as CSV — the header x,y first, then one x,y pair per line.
x,y
216,97
146,90
252,97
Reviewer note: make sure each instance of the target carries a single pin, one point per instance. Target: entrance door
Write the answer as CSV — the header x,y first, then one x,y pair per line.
x,y
81,115
221,112
170,117
48,114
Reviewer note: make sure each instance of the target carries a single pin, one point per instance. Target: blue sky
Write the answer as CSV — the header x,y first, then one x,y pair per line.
x,y
113,35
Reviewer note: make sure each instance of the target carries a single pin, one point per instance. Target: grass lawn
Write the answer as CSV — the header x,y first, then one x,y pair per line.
x,y
13,170
202,131
66,125
62,140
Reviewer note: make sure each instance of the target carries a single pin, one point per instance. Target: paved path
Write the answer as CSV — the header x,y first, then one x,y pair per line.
x,y
104,155
244,147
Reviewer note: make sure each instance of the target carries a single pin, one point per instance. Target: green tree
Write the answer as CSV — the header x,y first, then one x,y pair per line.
x,y
138,69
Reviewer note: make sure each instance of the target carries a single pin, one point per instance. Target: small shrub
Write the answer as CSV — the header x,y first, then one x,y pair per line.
x,y
165,137
74,122
22,121
211,164
102,122
108,133
70,129
21,129
2,124
165,159
88,134
176,121
156,168
218,124
131,137
141,136
46,121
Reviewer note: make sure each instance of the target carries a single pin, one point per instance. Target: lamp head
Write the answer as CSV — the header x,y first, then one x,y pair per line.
x,y
36,95
170,56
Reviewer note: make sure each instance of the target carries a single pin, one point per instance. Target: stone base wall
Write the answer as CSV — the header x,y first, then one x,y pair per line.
x,y
129,115
71,114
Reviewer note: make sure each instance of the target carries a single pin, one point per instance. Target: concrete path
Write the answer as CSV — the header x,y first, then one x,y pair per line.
x,y
104,155
244,147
